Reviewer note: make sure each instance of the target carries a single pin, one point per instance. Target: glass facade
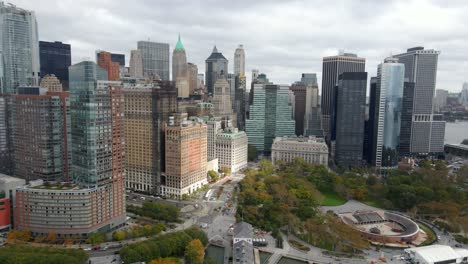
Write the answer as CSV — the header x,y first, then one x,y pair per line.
x,y
270,116
390,79
55,59
155,58
19,48
91,123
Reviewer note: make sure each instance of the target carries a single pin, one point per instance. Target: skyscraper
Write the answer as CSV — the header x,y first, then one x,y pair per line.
x,y
406,119
421,68
43,154
155,58
300,92
55,59
119,58
179,61
186,156
370,137
333,66
239,61
192,75
104,60
440,100
222,97
350,113
312,117
270,116
19,48
309,79
136,64
215,65
95,200
464,94
240,101
388,109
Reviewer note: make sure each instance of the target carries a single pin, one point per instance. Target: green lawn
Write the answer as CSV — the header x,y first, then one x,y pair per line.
x,y
332,199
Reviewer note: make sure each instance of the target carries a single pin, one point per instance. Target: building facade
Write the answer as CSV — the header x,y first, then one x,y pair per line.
x,y
421,69
300,92
440,100
104,60
136,64
192,75
179,61
186,156
222,97
349,121
215,65
239,61
231,149
155,58
51,83
45,153
95,199
271,116
332,67
55,59
312,117
313,150
388,108
19,48
213,129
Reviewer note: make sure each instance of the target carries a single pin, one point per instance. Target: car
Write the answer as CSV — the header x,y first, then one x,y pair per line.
x,y
438,237
87,249
104,248
96,248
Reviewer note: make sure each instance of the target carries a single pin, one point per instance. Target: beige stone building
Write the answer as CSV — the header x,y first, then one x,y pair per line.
x,y
186,156
313,150
51,83
231,149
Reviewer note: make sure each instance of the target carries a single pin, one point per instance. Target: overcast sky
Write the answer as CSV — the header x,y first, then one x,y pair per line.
x,y
281,38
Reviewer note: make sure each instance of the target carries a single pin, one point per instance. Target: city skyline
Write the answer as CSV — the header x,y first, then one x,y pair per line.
x,y
374,35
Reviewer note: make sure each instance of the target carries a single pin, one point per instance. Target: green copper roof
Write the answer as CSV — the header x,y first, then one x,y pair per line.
x,y
179,45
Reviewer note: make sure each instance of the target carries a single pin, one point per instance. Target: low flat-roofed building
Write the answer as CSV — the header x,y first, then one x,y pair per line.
x,y
436,254
64,209
313,150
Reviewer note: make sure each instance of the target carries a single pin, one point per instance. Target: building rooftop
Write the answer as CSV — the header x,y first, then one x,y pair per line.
x,y
310,139
435,253
243,252
243,229
7,179
179,45
215,55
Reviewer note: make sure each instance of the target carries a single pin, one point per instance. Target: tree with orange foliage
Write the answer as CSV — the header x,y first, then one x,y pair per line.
x,y
16,236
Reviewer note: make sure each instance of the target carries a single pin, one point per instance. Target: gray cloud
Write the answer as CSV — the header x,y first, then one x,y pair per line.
x,y
281,38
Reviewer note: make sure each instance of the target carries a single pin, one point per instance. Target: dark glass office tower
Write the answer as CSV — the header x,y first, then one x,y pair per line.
x,y
370,137
215,65
120,58
55,58
332,67
406,118
350,113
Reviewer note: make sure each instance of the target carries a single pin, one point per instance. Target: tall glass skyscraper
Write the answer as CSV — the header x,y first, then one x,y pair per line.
x,y
155,58
270,116
19,48
388,108
55,59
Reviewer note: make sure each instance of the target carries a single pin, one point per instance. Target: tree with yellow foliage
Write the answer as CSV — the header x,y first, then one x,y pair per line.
x,y
16,236
195,252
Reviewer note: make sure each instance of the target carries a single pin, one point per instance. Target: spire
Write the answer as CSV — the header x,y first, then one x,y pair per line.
x,y
215,50
179,45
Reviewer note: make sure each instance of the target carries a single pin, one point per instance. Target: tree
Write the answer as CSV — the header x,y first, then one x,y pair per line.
x,y
166,261
226,171
19,236
425,164
252,153
96,238
195,252
214,176
51,238
119,235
